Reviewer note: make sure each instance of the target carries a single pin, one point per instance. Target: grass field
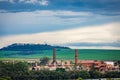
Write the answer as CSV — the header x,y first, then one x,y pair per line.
x,y
68,54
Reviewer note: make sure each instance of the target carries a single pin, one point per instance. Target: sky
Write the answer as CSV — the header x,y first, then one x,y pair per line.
x,y
82,24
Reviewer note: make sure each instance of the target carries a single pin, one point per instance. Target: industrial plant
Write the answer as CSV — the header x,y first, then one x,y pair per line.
x,y
75,64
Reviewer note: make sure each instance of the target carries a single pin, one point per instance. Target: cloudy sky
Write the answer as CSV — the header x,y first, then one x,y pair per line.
x,y
75,23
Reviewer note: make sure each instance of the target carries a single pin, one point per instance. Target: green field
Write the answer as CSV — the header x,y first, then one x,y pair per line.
x,y
68,54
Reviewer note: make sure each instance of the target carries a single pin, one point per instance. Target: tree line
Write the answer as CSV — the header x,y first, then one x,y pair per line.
x,y
19,71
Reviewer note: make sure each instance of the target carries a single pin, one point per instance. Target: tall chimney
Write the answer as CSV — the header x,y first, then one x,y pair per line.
x,y
76,56
54,56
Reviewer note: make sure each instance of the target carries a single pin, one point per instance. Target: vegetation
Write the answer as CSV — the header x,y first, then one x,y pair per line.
x,y
19,71
112,74
5,78
60,69
30,47
94,74
117,63
79,78
36,51
44,60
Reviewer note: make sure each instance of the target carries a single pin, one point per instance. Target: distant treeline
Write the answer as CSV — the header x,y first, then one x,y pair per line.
x,y
30,47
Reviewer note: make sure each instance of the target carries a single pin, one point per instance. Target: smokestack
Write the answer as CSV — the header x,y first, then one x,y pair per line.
x,y
54,56
76,56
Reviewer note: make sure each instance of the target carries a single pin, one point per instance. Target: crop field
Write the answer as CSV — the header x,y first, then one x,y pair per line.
x,y
65,54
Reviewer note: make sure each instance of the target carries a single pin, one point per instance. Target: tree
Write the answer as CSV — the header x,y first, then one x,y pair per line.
x,y
92,68
44,60
84,74
93,73
60,69
65,62
79,78
112,74
12,70
5,78
21,66
117,63
71,62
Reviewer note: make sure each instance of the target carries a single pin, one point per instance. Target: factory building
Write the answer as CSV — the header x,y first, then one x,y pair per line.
x,y
101,66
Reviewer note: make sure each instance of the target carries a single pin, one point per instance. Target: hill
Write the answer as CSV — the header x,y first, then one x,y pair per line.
x,y
30,47
36,51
